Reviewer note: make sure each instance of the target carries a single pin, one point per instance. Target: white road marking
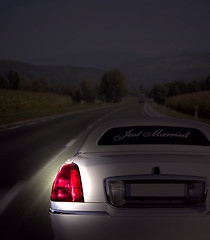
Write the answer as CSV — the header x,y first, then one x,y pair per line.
x,y
43,120
71,142
31,123
11,128
151,112
90,126
15,190
10,195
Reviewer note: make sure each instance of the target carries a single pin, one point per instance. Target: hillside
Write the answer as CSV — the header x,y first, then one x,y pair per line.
x,y
89,59
145,71
55,73
148,71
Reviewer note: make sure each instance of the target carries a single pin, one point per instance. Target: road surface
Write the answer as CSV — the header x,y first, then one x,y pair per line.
x,y
31,154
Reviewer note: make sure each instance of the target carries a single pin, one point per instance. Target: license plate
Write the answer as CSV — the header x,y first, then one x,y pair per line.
x,y
156,190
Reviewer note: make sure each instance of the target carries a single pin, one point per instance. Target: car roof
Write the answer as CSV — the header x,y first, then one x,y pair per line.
x,y
100,138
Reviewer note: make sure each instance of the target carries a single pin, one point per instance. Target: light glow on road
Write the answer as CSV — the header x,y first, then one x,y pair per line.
x,y
10,195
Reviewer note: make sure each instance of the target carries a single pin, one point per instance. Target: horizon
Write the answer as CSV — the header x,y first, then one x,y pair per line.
x,y
187,66
118,58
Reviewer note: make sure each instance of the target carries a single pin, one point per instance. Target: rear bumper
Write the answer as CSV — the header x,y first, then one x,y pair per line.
x,y
100,221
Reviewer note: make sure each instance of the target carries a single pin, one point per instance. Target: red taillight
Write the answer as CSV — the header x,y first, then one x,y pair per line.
x,y
67,186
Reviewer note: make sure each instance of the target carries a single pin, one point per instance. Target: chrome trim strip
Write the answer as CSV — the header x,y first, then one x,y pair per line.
x,y
78,212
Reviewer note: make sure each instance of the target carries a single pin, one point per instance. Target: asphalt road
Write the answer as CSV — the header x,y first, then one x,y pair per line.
x,y
30,156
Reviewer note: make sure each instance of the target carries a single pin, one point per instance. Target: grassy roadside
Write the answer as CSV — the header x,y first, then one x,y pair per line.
x,y
187,103
22,105
185,106
176,114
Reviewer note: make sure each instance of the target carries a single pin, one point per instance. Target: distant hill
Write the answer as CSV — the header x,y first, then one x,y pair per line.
x,y
148,71
55,73
102,60
144,71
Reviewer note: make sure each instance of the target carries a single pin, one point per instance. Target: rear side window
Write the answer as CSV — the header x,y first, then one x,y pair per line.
x,y
153,135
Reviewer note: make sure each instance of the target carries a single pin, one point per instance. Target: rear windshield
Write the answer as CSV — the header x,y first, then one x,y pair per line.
x,y
153,135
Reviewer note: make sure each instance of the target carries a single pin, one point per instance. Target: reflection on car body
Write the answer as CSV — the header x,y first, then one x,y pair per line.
x,y
140,178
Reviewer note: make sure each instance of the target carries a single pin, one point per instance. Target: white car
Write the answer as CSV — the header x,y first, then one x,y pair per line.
x,y
143,178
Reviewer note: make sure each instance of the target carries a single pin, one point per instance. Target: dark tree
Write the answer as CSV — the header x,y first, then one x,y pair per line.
x,y
159,92
194,86
112,86
176,87
3,82
14,80
88,91
207,83
45,84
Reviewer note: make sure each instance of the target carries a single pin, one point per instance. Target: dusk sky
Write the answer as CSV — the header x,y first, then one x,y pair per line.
x,y
42,28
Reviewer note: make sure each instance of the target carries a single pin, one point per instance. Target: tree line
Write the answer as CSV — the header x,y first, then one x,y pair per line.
x,y
111,88
160,92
